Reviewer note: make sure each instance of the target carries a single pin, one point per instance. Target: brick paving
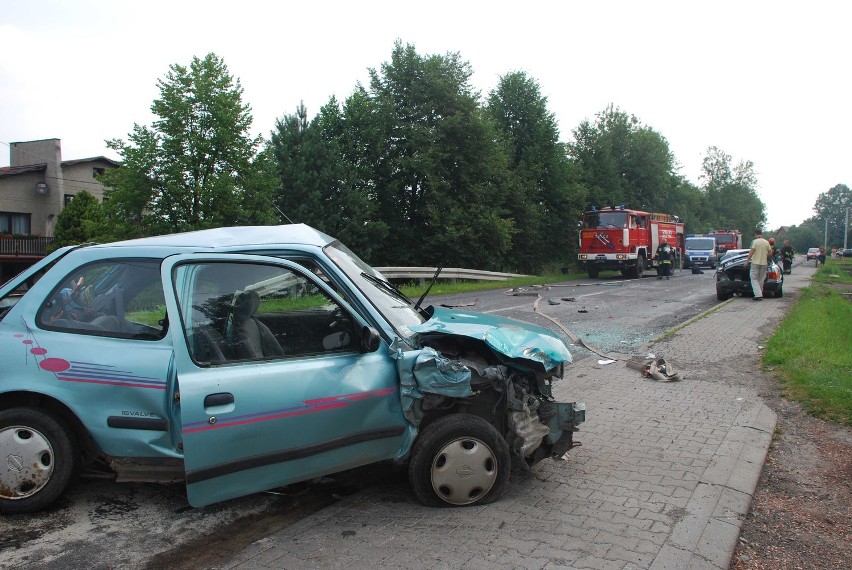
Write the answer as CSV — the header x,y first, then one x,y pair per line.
x,y
663,480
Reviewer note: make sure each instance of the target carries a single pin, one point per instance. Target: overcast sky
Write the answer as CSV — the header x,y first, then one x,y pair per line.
x,y
766,81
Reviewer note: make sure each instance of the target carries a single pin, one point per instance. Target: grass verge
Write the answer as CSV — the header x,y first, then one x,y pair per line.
x,y
414,291
812,352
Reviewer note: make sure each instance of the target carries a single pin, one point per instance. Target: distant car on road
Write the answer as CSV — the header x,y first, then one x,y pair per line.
x,y
732,277
813,253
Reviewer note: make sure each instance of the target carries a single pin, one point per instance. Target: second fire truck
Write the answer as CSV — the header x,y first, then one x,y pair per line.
x,y
627,240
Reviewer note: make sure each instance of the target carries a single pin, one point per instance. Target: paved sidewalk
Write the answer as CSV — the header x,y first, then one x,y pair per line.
x,y
663,480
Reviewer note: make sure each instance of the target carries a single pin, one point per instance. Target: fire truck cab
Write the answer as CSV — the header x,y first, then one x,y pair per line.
x,y
627,240
727,240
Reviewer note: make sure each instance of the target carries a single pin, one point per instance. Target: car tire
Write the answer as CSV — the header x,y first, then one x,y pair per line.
x,y
41,458
459,460
722,296
779,293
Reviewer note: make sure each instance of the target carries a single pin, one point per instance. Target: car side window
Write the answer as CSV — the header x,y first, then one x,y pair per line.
x,y
235,312
114,298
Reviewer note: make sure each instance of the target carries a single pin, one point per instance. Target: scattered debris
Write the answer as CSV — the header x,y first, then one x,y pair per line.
x,y
607,361
582,310
552,302
656,368
569,299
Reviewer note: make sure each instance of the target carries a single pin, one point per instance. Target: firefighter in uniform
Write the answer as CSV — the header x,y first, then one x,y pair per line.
x,y
664,256
787,253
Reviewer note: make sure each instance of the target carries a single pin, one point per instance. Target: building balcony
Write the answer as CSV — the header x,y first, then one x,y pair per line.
x,y
30,247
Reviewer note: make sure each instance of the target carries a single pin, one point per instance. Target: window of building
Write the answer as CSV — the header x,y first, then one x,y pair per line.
x,y
14,223
97,172
68,198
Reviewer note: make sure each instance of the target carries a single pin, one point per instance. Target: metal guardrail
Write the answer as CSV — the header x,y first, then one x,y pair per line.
x,y
454,273
24,246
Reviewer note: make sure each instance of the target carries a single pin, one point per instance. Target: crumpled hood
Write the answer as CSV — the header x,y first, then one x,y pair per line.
x,y
514,339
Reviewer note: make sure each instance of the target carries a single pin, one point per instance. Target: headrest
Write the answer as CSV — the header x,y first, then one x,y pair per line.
x,y
246,304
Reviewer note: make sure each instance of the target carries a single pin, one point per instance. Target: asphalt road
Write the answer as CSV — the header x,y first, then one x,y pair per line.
x,y
102,524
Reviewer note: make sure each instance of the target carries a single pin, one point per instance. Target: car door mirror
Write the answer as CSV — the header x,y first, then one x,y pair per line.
x,y
370,339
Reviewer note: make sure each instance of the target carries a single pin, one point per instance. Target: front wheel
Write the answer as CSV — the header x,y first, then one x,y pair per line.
x,y
40,458
459,460
640,267
593,271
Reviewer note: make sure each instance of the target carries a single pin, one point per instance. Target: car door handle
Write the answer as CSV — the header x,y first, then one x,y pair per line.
x,y
220,399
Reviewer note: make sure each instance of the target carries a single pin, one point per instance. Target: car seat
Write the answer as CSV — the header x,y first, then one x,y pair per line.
x,y
249,337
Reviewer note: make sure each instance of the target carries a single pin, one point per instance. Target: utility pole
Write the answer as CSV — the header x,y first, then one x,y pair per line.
x,y
825,237
846,232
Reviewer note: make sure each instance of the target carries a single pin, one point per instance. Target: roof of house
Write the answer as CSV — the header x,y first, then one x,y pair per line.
x,y
92,159
15,170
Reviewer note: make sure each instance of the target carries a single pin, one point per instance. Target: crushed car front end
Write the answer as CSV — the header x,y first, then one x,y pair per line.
x,y
498,369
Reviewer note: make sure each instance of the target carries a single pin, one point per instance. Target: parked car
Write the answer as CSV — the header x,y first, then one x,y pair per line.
x,y
847,252
243,359
733,278
813,253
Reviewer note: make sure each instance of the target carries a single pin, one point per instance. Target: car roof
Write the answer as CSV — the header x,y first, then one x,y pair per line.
x,y
233,237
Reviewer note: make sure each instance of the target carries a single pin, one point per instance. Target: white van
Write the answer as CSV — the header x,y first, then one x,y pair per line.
x,y
700,252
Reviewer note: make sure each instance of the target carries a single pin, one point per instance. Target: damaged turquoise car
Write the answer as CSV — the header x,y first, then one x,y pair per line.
x,y
242,359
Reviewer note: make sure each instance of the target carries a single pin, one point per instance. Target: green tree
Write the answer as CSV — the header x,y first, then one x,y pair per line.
x,y
731,193
193,167
433,162
621,161
545,201
316,184
691,205
832,206
81,221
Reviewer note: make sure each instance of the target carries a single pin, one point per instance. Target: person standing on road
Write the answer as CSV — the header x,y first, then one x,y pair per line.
x,y
664,256
787,253
758,257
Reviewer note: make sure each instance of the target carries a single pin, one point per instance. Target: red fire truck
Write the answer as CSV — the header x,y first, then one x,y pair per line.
x,y
726,240
627,240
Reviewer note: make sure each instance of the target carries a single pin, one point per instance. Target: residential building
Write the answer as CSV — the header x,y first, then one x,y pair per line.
x,y
34,189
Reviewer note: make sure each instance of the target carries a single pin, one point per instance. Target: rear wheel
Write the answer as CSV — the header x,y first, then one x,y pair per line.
x,y
779,293
459,460
40,458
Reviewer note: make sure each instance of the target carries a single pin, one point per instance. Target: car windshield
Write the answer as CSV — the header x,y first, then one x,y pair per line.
x,y
699,243
385,297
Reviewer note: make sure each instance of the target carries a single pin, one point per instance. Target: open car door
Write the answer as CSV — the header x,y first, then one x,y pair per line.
x,y
274,386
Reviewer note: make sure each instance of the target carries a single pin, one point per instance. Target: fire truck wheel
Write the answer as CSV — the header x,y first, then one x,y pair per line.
x,y
640,267
593,272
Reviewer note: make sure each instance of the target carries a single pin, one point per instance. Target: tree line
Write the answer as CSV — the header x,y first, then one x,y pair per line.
x,y
414,168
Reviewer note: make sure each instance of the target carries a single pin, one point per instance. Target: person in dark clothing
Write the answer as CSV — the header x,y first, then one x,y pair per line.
x,y
787,253
665,256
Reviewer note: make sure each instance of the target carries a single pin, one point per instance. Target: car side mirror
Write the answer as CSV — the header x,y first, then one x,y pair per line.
x,y
370,339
